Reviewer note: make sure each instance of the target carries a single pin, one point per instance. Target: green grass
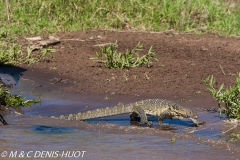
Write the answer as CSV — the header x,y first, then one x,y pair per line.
x,y
13,100
129,59
32,17
13,53
235,136
229,96
29,17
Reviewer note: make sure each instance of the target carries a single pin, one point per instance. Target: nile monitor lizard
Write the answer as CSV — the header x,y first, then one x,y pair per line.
x,y
159,108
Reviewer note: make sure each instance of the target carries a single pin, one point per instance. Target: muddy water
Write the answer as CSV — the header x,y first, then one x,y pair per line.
x,y
111,137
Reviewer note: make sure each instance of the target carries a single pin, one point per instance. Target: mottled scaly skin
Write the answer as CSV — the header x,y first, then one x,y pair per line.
x,y
159,108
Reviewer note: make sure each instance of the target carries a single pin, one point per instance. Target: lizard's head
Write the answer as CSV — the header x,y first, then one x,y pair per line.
x,y
182,112
190,114
185,113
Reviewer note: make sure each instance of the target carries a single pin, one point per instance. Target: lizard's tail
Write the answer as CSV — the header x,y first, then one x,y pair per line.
x,y
97,113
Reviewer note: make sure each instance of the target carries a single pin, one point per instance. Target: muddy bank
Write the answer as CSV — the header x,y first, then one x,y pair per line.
x,y
184,61
71,82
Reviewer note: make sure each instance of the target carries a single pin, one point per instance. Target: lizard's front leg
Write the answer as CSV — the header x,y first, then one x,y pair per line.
x,y
143,117
134,116
161,118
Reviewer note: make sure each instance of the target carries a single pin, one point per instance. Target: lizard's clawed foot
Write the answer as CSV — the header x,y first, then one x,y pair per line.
x,y
148,123
198,123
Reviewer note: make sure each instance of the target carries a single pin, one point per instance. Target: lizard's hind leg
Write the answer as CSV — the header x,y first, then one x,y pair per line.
x,y
161,117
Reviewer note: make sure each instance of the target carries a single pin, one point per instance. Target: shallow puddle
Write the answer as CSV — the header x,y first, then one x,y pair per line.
x,y
111,137
104,141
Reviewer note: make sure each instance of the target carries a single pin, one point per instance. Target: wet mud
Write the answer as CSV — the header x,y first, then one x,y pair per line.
x,y
111,137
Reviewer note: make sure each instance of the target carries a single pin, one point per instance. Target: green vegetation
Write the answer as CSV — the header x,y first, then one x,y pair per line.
x,y
12,100
32,17
128,59
229,96
235,136
11,53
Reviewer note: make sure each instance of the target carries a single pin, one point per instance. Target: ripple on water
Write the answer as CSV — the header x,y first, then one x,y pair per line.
x,y
51,129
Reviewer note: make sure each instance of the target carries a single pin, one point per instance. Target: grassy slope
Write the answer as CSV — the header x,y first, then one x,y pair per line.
x,y
32,17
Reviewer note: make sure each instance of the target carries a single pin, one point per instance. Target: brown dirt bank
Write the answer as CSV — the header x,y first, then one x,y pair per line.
x,y
184,61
